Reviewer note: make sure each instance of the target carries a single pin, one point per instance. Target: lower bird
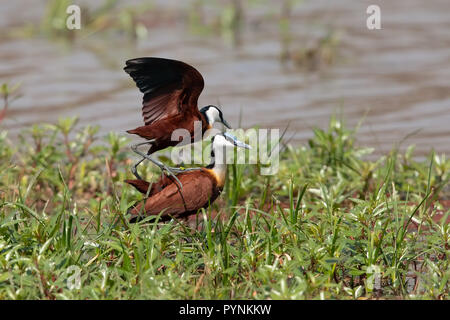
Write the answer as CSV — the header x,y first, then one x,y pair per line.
x,y
200,187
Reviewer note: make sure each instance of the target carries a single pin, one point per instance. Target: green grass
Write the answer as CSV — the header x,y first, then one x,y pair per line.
x,y
316,230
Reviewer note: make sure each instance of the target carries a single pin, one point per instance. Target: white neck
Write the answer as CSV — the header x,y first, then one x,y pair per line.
x,y
220,167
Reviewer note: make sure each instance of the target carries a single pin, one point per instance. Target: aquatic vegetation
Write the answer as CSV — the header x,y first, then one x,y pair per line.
x,y
109,17
330,225
229,21
216,18
321,52
310,54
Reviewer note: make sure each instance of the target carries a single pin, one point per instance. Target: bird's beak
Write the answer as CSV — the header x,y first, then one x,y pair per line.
x,y
242,145
235,141
225,123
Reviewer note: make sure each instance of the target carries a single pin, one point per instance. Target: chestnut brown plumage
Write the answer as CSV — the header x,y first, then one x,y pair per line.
x,y
171,89
200,187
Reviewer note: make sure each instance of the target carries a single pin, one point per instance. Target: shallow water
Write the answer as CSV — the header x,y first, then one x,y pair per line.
x,y
397,77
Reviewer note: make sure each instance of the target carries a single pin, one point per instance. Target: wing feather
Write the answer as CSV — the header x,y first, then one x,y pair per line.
x,y
169,86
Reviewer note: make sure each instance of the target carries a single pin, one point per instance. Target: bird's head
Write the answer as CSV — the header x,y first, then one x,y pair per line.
x,y
213,114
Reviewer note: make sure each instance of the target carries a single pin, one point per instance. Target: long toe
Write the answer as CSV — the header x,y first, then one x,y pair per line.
x,y
135,173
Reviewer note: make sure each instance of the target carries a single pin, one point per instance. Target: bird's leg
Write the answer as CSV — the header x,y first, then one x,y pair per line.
x,y
134,169
161,165
134,148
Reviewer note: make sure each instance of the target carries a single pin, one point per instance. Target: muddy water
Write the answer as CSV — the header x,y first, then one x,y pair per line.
x,y
397,77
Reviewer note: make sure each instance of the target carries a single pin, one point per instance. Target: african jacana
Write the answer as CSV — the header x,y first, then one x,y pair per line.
x,y
171,89
200,187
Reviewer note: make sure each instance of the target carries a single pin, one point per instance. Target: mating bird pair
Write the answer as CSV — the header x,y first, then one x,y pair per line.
x,y
171,89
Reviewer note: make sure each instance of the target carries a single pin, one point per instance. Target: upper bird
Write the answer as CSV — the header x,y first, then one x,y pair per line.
x,y
171,89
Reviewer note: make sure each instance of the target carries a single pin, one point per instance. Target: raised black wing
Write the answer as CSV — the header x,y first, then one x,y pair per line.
x,y
169,86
